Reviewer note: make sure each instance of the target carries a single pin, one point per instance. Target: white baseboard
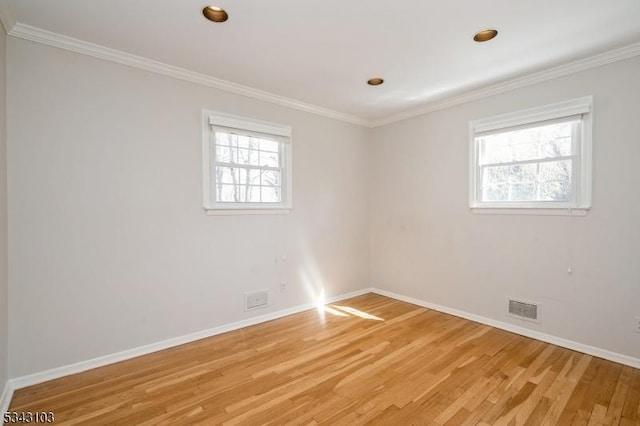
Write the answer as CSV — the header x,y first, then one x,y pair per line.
x,y
5,398
554,340
55,373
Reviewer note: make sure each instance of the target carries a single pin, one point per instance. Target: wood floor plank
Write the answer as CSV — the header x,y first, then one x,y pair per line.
x,y
366,360
631,407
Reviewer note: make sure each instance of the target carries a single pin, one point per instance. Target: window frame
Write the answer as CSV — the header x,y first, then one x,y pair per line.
x,y
281,132
581,154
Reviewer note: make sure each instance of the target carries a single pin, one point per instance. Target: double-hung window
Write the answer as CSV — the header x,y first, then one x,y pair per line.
x,y
535,160
247,164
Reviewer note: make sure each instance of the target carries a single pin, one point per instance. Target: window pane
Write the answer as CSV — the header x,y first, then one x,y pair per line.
x,y
495,193
555,191
558,147
544,181
524,151
225,154
267,145
222,138
523,192
250,194
555,181
548,141
521,173
556,171
269,159
248,156
226,193
270,195
249,177
270,178
496,175
247,142
226,175
254,157
495,149
246,194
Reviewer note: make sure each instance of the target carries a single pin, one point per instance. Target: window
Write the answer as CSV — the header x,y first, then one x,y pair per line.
x,y
533,160
247,164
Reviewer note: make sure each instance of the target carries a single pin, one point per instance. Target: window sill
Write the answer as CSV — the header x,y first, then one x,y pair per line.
x,y
530,211
241,212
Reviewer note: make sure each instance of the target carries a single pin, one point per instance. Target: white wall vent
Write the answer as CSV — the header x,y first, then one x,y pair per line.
x,y
524,310
255,300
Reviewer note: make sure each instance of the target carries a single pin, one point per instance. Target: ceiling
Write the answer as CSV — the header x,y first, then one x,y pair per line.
x,y
322,52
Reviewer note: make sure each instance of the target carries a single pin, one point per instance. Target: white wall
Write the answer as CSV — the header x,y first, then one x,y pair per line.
x,y
427,244
110,248
3,217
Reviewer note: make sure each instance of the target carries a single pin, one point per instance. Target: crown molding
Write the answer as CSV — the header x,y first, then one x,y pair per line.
x,y
6,17
594,61
27,32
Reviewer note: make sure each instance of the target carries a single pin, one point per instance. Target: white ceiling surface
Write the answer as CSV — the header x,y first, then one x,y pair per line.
x,y
322,52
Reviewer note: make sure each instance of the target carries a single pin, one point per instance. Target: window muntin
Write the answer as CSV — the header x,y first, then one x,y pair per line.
x,y
247,164
534,159
247,168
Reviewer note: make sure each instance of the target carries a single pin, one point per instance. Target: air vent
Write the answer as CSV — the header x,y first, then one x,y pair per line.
x,y
524,310
255,300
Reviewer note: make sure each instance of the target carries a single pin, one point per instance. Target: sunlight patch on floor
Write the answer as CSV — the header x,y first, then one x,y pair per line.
x,y
356,312
333,311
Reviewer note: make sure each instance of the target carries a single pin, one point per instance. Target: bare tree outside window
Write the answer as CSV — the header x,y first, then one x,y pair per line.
x,y
532,164
248,169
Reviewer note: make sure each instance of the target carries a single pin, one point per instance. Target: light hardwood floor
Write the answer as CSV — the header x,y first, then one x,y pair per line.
x,y
369,359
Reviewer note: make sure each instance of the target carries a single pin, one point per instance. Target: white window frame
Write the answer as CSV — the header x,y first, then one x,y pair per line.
x,y
212,119
580,202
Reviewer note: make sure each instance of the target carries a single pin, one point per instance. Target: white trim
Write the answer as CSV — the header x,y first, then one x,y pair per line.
x,y
584,64
580,110
540,114
213,121
247,211
531,211
7,395
55,373
39,35
523,331
222,119
206,159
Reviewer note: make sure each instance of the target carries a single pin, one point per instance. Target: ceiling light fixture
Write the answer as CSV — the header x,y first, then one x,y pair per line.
x,y
485,35
376,81
215,14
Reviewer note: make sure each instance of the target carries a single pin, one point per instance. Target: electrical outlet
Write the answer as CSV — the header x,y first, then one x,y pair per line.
x,y
283,287
637,328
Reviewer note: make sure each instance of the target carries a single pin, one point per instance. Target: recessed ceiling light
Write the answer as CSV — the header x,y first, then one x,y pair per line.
x,y
485,35
215,14
377,81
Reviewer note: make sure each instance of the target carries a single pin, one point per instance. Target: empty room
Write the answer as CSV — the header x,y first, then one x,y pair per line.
x,y
320,212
